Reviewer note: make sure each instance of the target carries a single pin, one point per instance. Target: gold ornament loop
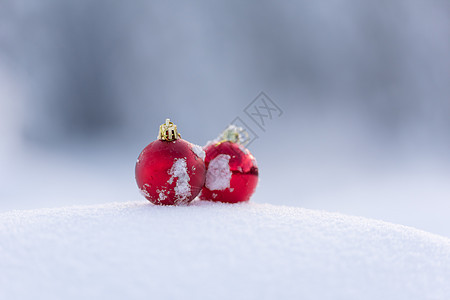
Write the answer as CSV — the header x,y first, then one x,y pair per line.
x,y
234,134
168,131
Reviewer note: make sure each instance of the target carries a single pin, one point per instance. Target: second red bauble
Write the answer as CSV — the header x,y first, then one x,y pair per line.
x,y
232,173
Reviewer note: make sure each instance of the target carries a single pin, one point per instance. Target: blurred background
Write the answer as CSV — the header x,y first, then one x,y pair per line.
x,y
364,88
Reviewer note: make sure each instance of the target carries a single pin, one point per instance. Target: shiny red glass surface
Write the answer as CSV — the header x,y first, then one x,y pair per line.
x,y
153,167
244,178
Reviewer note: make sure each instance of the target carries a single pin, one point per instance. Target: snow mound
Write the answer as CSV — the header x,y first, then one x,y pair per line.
x,y
215,251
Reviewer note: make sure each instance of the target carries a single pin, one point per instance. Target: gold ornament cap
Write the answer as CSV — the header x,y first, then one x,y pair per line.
x,y
168,132
234,134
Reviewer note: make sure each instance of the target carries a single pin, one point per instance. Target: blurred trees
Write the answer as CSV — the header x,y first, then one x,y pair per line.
x,y
92,67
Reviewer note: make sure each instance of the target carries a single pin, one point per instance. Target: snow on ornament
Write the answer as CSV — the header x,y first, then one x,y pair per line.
x,y
232,173
170,170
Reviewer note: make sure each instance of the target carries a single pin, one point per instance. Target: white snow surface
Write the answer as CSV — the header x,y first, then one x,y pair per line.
x,y
218,175
136,250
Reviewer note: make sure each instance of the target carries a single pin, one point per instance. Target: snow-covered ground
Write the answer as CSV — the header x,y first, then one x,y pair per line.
x,y
215,251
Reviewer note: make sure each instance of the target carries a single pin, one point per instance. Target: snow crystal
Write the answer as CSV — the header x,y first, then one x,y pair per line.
x,y
198,150
144,191
179,170
161,195
218,175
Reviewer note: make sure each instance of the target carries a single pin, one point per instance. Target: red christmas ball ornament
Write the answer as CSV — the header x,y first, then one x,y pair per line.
x,y
170,170
232,173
